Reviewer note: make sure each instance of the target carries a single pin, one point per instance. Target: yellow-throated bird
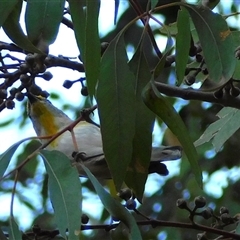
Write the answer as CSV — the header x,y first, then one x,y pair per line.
x,y
48,120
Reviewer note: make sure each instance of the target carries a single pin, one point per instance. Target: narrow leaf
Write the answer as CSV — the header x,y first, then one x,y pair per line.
x,y
78,16
182,44
116,105
85,23
42,19
92,46
154,3
6,157
65,192
142,143
14,31
160,106
160,66
216,41
114,207
5,9
221,130
14,233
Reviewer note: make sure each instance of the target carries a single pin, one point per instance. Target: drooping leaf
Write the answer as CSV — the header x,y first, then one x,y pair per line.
x,y
6,157
216,42
117,106
85,24
78,16
14,31
14,232
5,9
114,207
42,19
160,106
183,40
154,3
65,192
142,143
221,130
160,66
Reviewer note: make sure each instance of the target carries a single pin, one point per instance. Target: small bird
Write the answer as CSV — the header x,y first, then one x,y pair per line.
x,y
48,120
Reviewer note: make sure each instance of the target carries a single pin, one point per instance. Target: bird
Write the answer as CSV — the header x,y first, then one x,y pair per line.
x,y
49,120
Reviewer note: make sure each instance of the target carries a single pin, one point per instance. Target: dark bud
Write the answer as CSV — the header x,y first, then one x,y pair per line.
x,y
84,219
30,59
125,194
223,210
84,91
182,203
3,93
44,94
237,52
218,94
67,84
205,71
199,58
226,218
193,51
104,46
169,60
234,91
207,213
39,68
10,104
19,96
13,91
190,79
35,90
24,68
47,76
25,79
200,201
131,204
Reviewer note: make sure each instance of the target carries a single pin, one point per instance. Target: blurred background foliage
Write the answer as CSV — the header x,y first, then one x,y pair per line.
x,y
220,170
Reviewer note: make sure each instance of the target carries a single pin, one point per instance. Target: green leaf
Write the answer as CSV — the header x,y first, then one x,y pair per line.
x,y
78,16
5,9
85,23
142,143
42,19
114,207
65,192
2,235
6,157
183,40
154,3
14,31
160,106
222,129
161,64
117,107
14,233
92,43
216,41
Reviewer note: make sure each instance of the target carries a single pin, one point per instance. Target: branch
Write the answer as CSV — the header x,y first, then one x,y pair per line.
x,y
191,94
153,223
